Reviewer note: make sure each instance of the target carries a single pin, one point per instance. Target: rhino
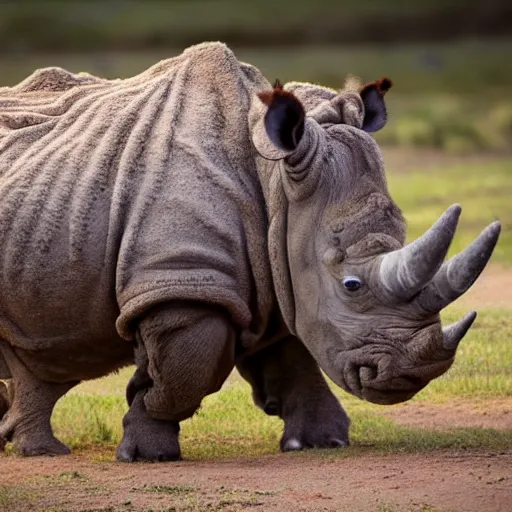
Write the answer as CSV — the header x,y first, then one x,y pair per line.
x,y
193,219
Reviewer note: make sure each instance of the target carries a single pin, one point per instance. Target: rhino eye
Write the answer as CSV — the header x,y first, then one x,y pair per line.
x,y
352,283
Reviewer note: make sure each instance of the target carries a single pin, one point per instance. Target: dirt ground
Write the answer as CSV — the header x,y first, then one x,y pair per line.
x,y
475,482
492,290
496,413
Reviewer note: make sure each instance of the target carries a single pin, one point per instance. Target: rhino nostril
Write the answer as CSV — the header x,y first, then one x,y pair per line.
x,y
367,373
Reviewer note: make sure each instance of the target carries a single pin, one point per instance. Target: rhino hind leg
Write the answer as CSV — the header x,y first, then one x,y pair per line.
x,y
287,382
30,403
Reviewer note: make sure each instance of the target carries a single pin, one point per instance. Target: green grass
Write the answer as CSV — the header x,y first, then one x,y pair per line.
x,y
483,366
14,498
483,190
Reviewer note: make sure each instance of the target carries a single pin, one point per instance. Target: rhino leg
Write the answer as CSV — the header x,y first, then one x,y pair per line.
x,y
184,352
287,382
146,438
31,402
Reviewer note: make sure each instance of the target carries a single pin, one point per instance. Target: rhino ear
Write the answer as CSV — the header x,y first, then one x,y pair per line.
x,y
372,95
284,119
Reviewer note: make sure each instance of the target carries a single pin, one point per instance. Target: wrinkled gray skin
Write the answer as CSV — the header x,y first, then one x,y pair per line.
x,y
377,335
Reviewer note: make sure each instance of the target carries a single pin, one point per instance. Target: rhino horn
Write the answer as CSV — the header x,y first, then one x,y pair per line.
x,y
454,333
404,272
460,272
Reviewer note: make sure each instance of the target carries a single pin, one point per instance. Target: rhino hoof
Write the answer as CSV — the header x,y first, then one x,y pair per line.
x,y
292,445
131,454
51,447
338,443
132,449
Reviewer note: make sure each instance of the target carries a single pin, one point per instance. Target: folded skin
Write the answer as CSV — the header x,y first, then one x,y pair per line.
x,y
193,218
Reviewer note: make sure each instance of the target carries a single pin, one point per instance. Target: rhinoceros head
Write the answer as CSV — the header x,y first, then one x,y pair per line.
x,y
366,306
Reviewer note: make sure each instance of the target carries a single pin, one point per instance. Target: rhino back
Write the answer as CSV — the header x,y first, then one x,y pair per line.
x,y
118,194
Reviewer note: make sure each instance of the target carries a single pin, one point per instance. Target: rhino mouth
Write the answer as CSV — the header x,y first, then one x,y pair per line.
x,y
366,382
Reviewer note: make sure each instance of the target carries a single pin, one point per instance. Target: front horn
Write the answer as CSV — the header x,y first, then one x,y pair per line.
x,y
406,271
457,274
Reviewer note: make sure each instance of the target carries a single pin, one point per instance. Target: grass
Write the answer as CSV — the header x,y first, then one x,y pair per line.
x,y
229,425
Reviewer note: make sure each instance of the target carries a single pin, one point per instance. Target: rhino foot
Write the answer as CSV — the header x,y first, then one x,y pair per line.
x,y
287,382
30,436
316,429
30,404
147,439
35,447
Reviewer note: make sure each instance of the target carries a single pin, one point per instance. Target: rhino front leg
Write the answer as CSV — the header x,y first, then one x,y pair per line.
x,y
184,352
146,438
287,382
30,405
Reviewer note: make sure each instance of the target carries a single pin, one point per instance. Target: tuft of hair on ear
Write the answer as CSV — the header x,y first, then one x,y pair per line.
x,y
382,86
352,84
278,94
285,116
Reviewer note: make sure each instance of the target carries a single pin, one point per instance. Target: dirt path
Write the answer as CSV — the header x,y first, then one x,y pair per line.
x,y
490,413
405,160
456,482
493,289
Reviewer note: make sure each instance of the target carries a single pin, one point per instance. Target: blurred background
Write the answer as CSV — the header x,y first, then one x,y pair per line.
x,y
450,60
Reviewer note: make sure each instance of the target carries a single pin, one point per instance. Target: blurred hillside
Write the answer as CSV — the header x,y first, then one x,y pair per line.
x,y
73,25
449,59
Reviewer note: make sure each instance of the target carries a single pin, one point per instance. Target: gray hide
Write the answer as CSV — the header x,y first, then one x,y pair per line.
x,y
155,219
